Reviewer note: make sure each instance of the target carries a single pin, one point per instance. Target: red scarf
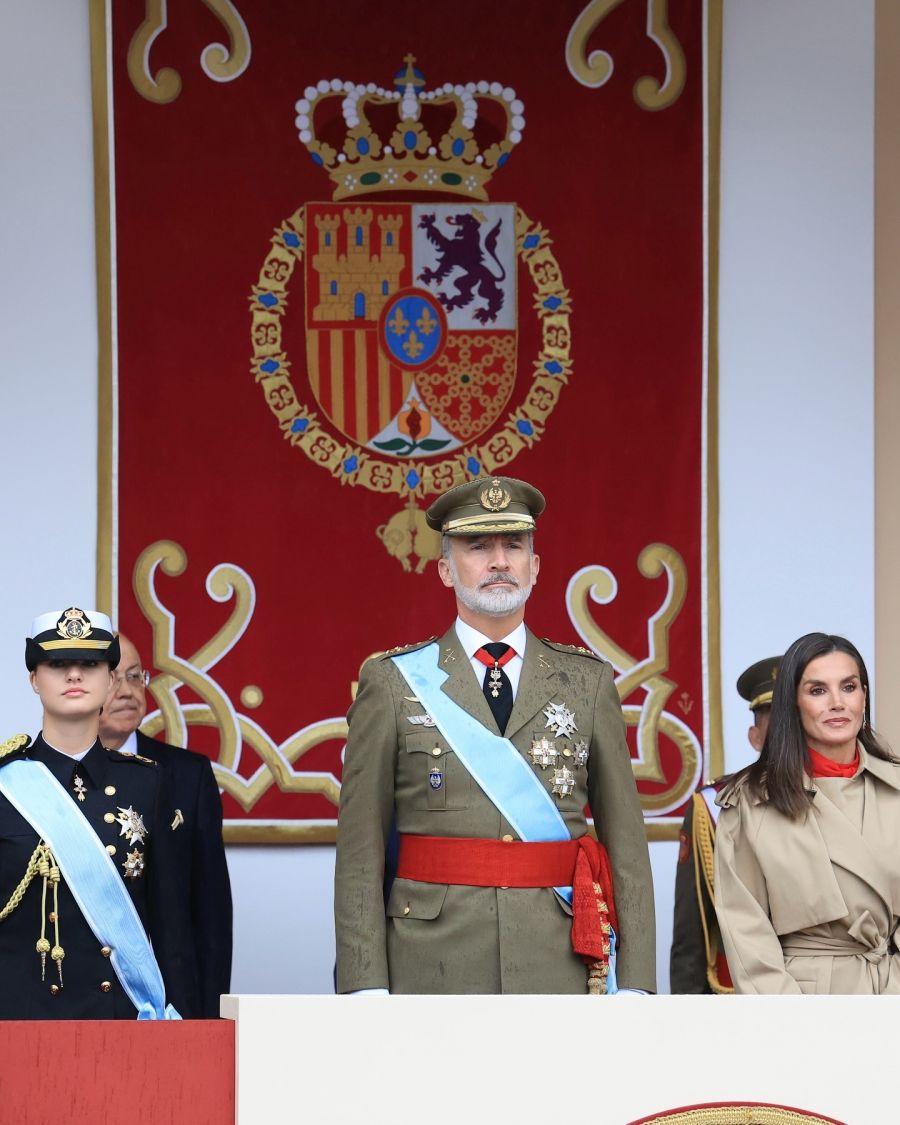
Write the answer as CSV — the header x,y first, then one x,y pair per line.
x,y
827,767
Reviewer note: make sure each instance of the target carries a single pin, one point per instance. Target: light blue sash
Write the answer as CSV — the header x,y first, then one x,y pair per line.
x,y
498,767
506,778
93,880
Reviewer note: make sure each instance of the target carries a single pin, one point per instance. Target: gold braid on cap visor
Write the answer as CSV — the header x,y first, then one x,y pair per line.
x,y
490,522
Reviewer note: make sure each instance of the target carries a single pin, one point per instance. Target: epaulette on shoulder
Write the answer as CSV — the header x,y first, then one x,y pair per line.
x,y
579,650
736,786
118,756
11,745
718,783
406,648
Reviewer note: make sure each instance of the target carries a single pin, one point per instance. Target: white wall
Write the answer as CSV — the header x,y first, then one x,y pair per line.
x,y
796,385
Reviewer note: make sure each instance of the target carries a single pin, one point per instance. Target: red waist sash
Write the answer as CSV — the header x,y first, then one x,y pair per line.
x,y
581,864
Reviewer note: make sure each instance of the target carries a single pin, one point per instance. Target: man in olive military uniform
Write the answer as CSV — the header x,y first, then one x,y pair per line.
x,y
86,857
697,961
202,870
483,748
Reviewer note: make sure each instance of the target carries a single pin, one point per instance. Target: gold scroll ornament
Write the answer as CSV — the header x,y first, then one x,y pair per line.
x,y
595,69
223,583
597,584
220,63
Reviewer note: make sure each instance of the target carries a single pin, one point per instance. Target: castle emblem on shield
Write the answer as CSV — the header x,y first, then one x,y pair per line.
x,y
411,302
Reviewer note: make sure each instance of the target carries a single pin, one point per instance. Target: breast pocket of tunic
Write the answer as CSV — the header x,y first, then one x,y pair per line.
x,y
436,774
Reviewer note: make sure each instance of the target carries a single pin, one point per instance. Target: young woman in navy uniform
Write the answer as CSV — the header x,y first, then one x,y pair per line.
x,y
86,857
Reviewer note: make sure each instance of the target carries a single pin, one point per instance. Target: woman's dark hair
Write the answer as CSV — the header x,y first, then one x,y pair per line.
x,y
778,774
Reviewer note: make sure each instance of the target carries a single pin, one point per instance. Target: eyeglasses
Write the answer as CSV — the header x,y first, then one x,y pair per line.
x,y
134,677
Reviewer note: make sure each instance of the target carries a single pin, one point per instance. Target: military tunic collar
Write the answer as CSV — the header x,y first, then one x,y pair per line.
x,y
92,768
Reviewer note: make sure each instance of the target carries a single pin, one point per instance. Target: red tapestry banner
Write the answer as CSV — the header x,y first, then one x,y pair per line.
x,y
351,255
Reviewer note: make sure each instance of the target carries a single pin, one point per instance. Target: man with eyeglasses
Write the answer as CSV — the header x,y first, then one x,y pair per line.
x,y
197,824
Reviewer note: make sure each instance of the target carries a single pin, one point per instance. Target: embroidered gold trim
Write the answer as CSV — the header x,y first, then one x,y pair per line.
x,y
11,745
703,845
49,646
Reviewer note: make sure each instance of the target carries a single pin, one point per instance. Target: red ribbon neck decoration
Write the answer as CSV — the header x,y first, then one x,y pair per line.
x,y
489,662
823,766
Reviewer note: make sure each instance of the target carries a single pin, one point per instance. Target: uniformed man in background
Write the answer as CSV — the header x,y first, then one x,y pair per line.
x,y
202,870
485,746
697,962
86,851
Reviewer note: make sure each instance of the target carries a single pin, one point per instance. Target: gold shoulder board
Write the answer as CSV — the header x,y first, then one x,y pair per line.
x,y
579,649
407,648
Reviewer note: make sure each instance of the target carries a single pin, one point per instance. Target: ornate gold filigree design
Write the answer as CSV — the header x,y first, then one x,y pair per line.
x,y
595,69
350,463
223,583
220,63
598,584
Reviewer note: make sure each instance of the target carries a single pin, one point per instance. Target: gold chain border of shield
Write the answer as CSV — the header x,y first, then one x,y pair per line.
x,y
301,427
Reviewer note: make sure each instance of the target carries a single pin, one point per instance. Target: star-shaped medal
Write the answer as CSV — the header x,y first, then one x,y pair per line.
x,y
132,825
563,782
134,864
543,752
561,719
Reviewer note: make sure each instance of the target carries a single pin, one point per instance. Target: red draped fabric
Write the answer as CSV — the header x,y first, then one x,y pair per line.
x,y
359,253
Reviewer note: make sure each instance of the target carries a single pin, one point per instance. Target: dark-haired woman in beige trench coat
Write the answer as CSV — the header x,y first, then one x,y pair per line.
x,y
807,879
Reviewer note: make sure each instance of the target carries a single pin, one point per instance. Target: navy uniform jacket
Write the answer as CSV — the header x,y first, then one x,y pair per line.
x,y
202,869
90,988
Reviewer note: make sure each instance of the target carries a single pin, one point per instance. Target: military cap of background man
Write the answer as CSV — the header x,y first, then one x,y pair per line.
x,y
71,634
757,683
486,506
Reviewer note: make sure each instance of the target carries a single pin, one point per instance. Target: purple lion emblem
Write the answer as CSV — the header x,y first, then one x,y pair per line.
x,y
464,251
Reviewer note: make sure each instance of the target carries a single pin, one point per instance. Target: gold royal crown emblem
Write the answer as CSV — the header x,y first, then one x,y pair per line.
x,y
74,625
419,151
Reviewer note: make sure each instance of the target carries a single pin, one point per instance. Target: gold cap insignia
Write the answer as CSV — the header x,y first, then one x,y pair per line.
x,y
74,625
495,497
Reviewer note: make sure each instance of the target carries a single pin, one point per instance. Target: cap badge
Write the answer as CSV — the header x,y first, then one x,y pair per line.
x,y
495,497
74,625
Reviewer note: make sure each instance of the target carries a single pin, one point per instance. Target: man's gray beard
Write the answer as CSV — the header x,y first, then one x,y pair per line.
x,y
488,598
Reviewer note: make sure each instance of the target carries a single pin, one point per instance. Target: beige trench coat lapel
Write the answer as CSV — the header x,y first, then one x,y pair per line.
x,y
847,848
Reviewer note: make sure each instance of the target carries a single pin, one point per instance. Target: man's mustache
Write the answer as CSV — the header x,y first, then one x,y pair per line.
x,y
495,579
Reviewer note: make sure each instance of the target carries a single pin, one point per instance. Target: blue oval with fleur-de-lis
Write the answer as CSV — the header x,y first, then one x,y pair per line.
x,y
436,778
413,328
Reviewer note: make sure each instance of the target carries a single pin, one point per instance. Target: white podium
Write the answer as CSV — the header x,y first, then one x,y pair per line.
x,y
524,1059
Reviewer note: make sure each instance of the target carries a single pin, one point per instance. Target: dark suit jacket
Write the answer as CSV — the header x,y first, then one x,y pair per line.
x,y
202,871
90,988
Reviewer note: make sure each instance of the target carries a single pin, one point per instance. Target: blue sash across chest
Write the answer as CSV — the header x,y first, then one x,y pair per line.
x,y
494,762
93,880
